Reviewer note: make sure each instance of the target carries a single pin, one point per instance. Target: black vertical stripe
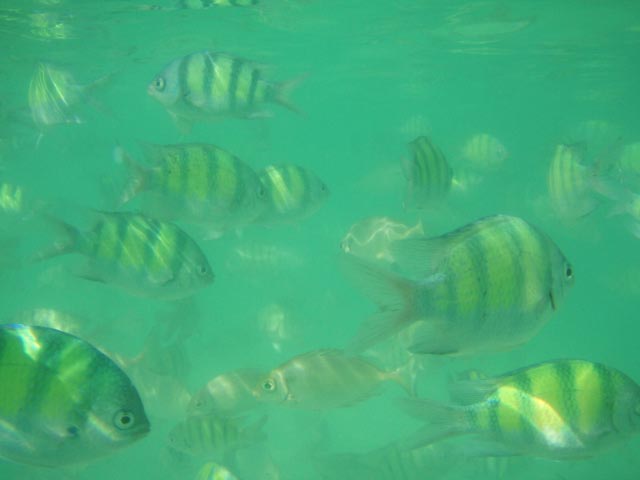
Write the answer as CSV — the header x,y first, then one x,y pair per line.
x,y
236,66
183,72
255,77
209,76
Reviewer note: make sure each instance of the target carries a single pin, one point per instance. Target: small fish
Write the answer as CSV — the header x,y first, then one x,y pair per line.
x,y
278,325
488,286
292,193
571,183
210,85
213,471
324,379
428,174
484,152
142,255
195,183
202,4
628,166
211,434
370,239
63,402
566,409
227,395
251,257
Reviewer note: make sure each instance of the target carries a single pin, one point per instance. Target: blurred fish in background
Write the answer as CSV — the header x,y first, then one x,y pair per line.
x,y
278,325
63,402
213,471
483,152
205,86
194,183
292,193
428,174
201,4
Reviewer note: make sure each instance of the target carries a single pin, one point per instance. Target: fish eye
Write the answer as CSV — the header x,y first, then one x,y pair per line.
x,y
203,270
261,192
123,420
73,430
159,83
568,271
268,385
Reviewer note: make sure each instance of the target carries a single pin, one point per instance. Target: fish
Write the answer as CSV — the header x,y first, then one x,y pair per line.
x,y
371,238
279,325
195,183
628,166
484,152
325,379
52,318
428,174
143,256
202,4
209,85
292,193
488,286
213,471
229,394
63,401
211,434
563,409
571,184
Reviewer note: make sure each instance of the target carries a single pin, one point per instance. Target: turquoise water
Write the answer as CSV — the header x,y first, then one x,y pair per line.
x,y
375,75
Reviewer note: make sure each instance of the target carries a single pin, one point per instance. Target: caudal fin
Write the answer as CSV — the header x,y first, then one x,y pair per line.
x,y
396,296
282,93
138,175
68,241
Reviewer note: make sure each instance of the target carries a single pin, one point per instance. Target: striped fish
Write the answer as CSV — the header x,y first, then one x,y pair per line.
x,y
324,379
63,402
202,4
292,193
213,471
570,183
484,152
428,174
195,183
142,255
488,286
209,85
211,434
564,409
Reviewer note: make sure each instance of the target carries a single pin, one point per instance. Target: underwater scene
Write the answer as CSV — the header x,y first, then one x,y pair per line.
x,y
319,240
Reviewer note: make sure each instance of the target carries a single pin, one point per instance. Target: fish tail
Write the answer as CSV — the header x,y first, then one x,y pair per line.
x,y
69,241
443,421
138,175
254,433
395,295
282,93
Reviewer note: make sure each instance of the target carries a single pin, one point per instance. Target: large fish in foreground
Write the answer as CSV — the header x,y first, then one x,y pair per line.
x,y
564,409
488,286
62,401
207,85
144,256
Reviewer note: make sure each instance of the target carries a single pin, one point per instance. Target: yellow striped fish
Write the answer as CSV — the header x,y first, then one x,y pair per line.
x,y
63,402
488,286
324,379
570,183
194,183
292,193
213,471
427,172
210,85
142,255
202,4
484,152
562,409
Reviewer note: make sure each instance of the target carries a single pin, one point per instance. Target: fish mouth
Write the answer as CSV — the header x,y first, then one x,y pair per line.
x,y
552,300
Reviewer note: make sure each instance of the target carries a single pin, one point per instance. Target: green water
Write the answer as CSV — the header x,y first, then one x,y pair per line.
x,y
376,75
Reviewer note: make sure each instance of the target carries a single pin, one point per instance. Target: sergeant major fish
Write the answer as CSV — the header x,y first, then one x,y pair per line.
x,y
565,409
144,256
428,174
324,379
209,85
488,286
195,183
63,402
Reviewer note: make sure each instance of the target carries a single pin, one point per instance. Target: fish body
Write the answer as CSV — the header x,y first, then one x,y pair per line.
x,y
427,172
142,255
324,379
213,471
195,183
63,401
570,183
211,434
484,152
53,95
370,239
292,193
210,85
488,286
564,409
227,395
202,4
